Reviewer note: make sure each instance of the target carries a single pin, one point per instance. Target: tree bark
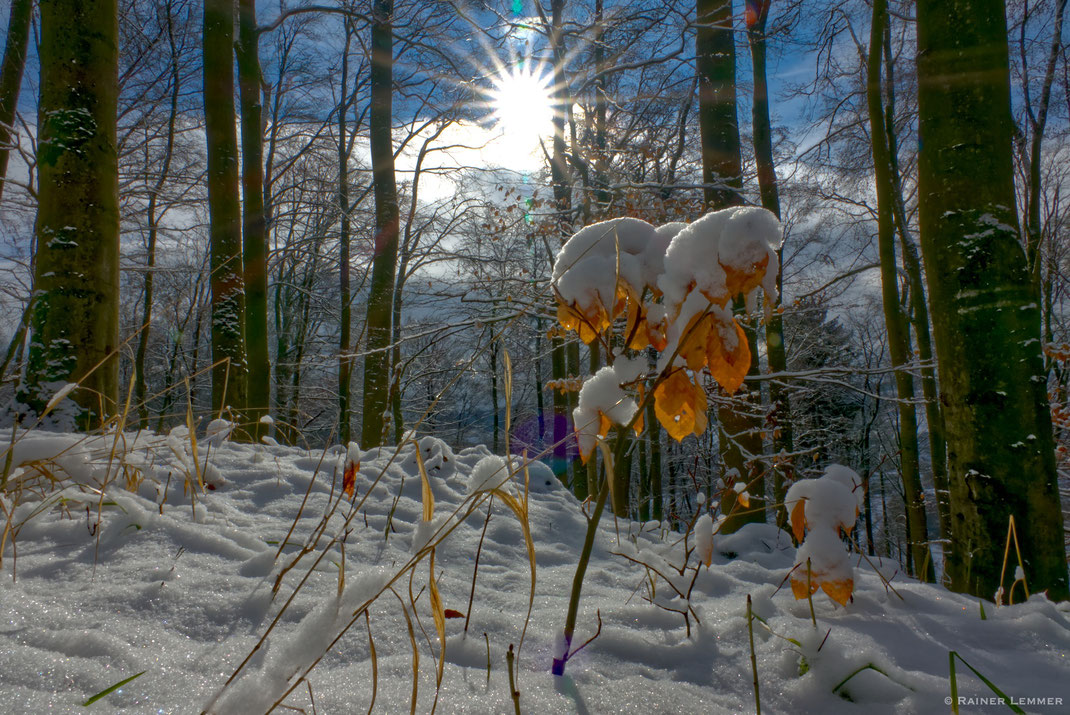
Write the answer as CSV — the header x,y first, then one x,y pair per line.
x,y
345,340
919,314
776,354
562,193
894,319
384,263
254,223
740,440
229,374
715,58
75,316
986,322
18,33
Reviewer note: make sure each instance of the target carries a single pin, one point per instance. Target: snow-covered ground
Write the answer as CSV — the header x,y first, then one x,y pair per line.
x,y
183,592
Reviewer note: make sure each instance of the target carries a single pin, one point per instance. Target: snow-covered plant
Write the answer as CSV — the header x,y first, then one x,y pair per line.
x,y
624,282
673,286
820,509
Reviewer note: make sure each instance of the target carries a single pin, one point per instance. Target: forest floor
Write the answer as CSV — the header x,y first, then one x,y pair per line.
x,y
137,578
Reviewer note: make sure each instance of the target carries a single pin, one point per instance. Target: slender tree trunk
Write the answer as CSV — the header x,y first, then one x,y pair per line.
x,y
653,429
776,354
715,53
919,310
1038,121
740,441
345,340
229,375
894,319
588,482
494,392
153,218
384,264
562,192
18,33
75,319
254,223
986,322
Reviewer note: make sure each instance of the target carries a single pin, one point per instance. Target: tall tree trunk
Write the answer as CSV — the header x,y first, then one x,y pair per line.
x,y
229,375
776,353
740,441
153,219
986,322
254,223
715,57
384,264
894,319
562,192
345,340
494,391
18,33
653,430
1038,122
919,314
75,320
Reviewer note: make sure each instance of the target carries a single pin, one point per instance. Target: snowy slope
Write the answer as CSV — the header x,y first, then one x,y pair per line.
x,y
183,592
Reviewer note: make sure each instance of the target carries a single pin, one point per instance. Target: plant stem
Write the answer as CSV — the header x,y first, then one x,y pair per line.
x,y
753,659
558,667
512,682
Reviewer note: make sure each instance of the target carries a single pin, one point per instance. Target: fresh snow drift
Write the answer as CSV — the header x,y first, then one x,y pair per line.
x,y
182,591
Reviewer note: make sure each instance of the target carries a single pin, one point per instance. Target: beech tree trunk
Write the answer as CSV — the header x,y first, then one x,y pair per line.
x,y
18,33
562,193
740,441
894,319
986,322
254,223
776,354
75,312
229,374
384,263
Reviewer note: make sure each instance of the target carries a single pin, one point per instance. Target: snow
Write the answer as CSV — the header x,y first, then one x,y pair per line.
x,y
602,394
489,473
181,588
738,239
586,266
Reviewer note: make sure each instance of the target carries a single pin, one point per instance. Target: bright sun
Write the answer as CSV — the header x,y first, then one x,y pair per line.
x,y
523,108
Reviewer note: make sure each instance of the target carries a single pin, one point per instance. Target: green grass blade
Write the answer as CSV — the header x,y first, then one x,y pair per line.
x,y
108,691
954,685
986,681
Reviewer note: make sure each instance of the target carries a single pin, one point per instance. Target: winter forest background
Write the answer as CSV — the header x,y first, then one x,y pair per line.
x,y
337,222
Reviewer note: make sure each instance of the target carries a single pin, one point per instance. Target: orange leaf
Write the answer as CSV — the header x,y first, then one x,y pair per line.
x,y
745,281
636,330
655,333
638,426
798,520
798,588
680,406
744,499
695,337
349,478
839,591
604,423
729,363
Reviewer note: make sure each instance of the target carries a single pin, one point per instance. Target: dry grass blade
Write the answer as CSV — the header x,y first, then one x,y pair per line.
x,y
521,512
439,615
192,427
426,497
415,652
374,659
